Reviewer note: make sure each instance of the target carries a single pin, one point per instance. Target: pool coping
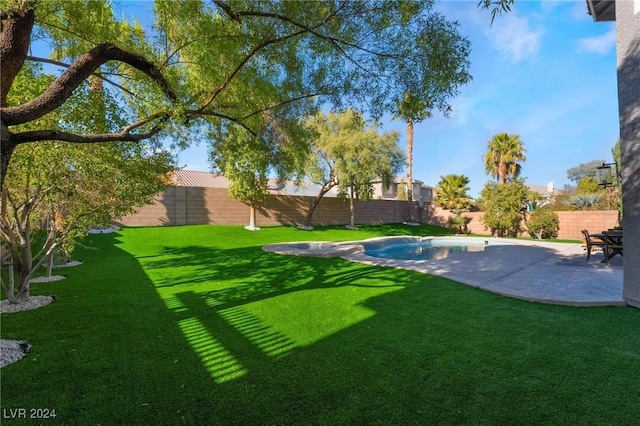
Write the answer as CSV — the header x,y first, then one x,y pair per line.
x,y
537,271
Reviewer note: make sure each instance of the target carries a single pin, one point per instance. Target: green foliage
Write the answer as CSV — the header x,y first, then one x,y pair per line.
x,y
217,67
584,170
504,206
54,191
248,159
458,224
452,192
402,191
586,201
351,154
587,185
504,154
543,223
497,7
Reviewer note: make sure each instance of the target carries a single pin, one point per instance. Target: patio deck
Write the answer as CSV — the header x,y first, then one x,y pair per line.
x,y
555,273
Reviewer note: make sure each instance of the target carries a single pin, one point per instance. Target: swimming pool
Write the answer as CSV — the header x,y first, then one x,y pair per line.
x,y
425,249
392,248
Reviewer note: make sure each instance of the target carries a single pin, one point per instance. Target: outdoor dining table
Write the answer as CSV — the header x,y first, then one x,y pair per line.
x,y
613,241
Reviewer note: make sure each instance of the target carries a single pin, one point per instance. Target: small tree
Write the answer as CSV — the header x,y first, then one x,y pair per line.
x,y
543,223
452,192
47,206
350,154
247,158
505,205
55,191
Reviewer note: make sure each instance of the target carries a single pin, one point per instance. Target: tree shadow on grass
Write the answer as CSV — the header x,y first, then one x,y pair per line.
x,y
336,343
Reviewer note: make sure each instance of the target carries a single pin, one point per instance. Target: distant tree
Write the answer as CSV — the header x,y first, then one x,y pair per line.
x,y
350,154
584,170
504,206
504,154
615,153
452,192
436,79
412,110
248,158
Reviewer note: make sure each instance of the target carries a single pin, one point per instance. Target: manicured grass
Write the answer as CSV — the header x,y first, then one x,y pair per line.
x,y
197,325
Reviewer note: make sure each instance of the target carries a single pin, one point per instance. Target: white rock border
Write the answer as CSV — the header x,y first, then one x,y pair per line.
x,y
68,264
47,279
34,302
12,351
104,230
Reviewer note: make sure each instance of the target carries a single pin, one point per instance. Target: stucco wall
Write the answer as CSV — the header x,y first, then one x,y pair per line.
x,y
628,53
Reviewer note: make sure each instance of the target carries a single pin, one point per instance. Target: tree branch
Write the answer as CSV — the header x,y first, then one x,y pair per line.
x,y
200,113
242,63
58,135
227,9
62,64
64,86
279,104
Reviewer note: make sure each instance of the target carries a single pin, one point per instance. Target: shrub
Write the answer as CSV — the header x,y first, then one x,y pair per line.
x,y
543,223
458,224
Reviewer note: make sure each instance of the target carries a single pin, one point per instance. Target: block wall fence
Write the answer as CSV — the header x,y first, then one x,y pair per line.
x,y
200,206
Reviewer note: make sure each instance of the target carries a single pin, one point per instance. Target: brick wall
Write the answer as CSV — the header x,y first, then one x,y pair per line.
x,y
198,206
570,222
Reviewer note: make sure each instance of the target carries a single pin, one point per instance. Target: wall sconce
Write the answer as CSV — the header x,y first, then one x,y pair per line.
x,y
605,174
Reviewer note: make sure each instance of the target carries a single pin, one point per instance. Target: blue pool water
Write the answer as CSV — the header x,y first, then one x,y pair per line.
x,y
424,250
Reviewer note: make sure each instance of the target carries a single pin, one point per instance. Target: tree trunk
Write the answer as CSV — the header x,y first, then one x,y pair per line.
x,y
23,265
50,260
410,170
252,219
15,39
315,203
352,210
6,151
410,161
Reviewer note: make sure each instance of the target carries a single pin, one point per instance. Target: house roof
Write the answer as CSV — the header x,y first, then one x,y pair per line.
x,y
199,179
602,10
542,190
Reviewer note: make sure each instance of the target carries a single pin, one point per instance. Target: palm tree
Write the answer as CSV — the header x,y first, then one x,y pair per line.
x,y
452,192
505,152
412,110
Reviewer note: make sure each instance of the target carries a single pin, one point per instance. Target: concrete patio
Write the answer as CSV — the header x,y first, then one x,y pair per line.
x,y
555,273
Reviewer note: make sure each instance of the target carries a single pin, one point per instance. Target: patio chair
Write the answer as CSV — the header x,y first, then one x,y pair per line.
x,y
612,246
592,243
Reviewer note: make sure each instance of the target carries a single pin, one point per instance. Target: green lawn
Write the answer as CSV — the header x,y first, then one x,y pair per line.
x,y
197,325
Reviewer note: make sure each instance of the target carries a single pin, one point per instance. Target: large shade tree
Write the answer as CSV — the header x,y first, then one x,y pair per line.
x,y
215,64
505,152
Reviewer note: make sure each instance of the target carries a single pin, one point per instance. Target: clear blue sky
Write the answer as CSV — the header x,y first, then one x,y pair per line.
x,y
544,71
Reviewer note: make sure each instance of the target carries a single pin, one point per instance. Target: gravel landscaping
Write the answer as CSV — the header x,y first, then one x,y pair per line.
x,y
12,350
